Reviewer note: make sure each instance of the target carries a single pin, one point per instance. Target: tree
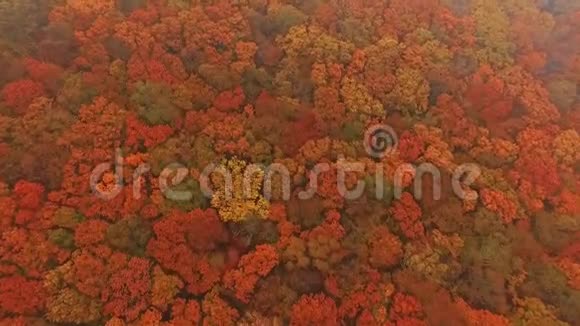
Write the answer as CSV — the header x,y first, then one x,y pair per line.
x,y
70,306
153,103
21,296
217,311
408,214
250,268
234,201
19,94
130,235
184,242
385,249
128,291
316,309
164,288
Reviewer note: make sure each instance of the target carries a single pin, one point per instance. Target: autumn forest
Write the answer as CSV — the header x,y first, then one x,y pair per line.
x,y
113,111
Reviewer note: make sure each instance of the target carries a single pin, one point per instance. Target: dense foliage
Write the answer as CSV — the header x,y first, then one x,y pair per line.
x,y
293,83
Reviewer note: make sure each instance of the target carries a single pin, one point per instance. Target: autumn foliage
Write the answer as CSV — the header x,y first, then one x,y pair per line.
x,y
113,111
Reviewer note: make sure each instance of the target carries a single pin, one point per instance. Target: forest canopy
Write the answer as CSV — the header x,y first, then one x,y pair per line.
x,y
137,99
